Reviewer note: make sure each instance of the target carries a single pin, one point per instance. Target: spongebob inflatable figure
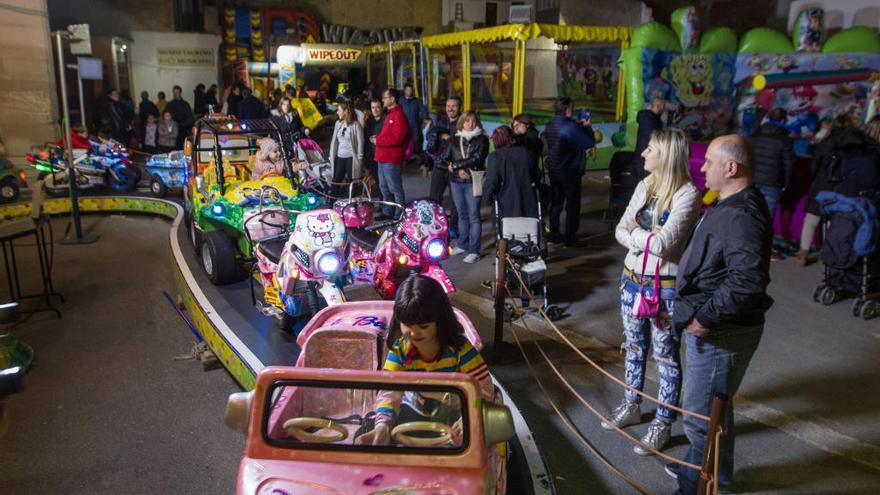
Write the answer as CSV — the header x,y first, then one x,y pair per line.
x,y
692,78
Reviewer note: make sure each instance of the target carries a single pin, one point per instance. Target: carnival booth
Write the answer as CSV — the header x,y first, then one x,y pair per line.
x,y
506,70
715,84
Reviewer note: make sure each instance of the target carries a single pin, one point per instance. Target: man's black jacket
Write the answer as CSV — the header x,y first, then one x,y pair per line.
x,y
724,272
774,155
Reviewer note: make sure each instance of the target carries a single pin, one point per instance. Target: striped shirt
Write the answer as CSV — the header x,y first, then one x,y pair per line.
x,y
403,356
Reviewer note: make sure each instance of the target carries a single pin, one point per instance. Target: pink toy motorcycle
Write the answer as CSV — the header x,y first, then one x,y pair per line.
x,y
299,270
417,242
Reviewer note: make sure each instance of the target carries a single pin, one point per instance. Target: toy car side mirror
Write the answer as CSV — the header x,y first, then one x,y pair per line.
x,y
238,411
497,423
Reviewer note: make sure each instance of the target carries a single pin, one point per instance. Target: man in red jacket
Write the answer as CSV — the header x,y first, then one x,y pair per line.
x,y
393,145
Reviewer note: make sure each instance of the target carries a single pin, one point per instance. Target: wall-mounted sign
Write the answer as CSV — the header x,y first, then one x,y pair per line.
x,y
90,68
315,54
185,57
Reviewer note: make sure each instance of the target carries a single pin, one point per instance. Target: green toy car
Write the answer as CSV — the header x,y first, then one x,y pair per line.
x,y
227,211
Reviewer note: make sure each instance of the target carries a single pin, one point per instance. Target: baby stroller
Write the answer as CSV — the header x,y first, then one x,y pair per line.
x,y
851,230
527,249
318,173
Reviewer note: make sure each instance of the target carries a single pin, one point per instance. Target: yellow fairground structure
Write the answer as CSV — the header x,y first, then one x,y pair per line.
x,y
480,54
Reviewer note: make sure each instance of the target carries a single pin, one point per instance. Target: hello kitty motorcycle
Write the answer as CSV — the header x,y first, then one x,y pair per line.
x,y
301,271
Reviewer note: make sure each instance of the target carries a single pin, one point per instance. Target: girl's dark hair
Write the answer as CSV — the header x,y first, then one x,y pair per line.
x,y
523,118
421,300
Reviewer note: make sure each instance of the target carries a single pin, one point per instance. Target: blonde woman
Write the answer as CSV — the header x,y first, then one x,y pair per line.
x,y
347,146
665,207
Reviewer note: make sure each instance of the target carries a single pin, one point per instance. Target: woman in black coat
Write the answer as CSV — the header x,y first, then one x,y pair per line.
x,y
467,153
510,177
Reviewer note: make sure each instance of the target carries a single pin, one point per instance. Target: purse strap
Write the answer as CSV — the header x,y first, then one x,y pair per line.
x,y
645,265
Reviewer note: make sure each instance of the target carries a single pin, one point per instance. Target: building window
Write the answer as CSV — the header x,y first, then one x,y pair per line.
x,y
189,15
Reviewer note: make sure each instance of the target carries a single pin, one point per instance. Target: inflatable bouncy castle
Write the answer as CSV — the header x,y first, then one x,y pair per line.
x,y
715,83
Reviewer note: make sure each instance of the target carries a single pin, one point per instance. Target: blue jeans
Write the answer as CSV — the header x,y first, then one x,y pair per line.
x,y
391,185
713,364
772,195
470,228
642,333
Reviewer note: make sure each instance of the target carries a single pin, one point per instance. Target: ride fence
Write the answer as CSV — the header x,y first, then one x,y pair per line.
x,y
708,470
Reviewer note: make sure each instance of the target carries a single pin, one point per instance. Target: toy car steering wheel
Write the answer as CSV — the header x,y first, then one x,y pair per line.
x,y
401,434
296,427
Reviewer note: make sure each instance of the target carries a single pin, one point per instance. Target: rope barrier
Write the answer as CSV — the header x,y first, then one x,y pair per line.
x,y
708,473
589,406
570,425
590,361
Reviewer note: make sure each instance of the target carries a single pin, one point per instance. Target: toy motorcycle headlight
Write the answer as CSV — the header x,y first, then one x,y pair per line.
x,y
312,200
218,210
436,248
328,262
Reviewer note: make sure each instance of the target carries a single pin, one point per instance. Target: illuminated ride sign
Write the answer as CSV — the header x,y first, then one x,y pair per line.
x,y
317,54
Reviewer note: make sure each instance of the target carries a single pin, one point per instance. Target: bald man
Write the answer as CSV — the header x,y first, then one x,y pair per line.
x,y
721,298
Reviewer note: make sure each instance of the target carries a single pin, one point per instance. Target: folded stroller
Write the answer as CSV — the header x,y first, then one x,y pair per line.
x,y
527,250
850,230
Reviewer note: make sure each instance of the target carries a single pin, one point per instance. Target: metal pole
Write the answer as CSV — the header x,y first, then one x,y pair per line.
x,y
68,149
390,65
499,298
82,104
717,420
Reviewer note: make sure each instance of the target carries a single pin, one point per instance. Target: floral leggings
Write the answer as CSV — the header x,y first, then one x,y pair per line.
x,y
642,333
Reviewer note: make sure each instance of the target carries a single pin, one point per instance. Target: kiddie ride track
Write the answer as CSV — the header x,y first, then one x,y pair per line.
x,y
243,340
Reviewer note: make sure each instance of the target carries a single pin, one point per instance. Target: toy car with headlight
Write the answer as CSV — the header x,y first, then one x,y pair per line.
x,y
303,423
220,199
300,271
416,243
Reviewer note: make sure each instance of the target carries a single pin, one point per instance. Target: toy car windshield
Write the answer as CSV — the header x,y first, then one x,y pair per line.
x,y
334,415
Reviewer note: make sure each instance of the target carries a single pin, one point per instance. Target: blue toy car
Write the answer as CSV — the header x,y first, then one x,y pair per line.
x,y
167,170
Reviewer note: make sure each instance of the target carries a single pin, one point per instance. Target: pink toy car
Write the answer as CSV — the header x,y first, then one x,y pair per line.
x,y
302,422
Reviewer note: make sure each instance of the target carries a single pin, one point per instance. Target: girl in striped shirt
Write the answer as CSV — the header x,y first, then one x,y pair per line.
x,y
424,335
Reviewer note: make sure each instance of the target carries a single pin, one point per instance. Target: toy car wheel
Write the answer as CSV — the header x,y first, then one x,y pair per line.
x,y
869,310
817,293
554,312
9,191
314,302
510,312
158,187
828,296
54,186
218,257
856,307
124,180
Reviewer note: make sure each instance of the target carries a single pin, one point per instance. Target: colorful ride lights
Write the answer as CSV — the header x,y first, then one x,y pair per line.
x,y
403,259
329,262
312,200
436,248
218,210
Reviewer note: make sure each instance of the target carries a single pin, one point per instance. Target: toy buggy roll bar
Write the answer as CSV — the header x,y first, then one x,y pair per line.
x,y
230,126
